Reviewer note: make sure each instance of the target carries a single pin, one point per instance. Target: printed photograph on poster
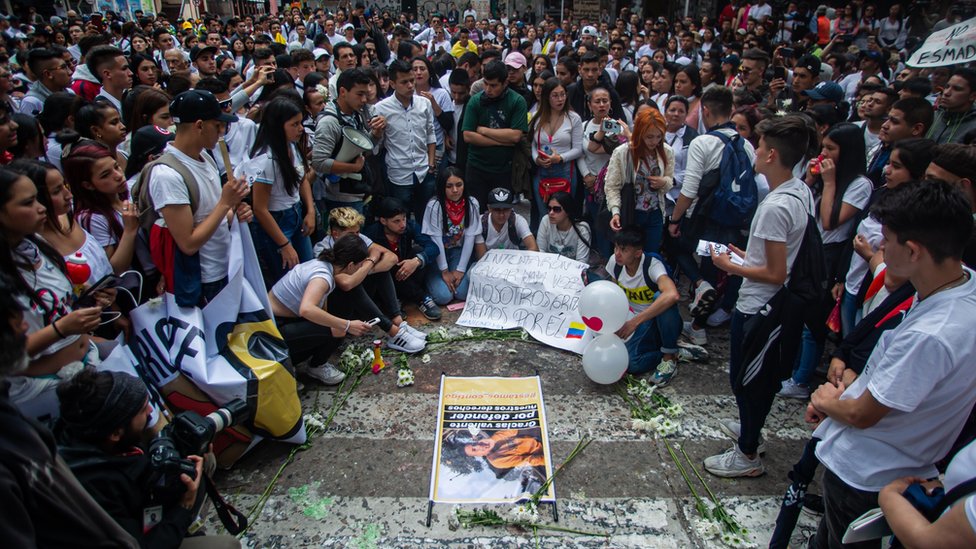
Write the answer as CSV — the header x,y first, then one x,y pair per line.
x,y
491,445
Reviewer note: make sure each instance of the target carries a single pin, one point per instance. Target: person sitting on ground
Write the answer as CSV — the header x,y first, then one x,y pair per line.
x,y
415,251
104,418
565,233
451,220
368,292
501,227
651,334
298,303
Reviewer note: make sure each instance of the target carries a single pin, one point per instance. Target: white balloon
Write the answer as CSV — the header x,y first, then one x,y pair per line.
x,y
605,359
604,307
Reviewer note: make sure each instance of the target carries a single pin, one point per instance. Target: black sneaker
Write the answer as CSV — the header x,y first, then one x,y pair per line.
x,y
430,309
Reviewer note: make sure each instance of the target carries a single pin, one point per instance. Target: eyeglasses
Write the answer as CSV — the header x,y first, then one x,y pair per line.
x,y
555,209
558,96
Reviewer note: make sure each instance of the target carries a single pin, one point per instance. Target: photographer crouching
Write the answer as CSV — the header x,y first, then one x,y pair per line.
x,y
104,420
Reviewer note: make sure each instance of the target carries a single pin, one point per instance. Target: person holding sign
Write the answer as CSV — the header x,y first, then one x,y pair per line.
x,y
652,333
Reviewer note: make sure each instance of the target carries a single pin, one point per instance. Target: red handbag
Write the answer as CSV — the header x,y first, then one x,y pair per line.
x,y
549,186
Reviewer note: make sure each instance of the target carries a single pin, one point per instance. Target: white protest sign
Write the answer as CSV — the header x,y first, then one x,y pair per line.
x,y
538,292
949,46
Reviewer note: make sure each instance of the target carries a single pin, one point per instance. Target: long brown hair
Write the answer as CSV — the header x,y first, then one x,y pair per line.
x,y
647,120
546,113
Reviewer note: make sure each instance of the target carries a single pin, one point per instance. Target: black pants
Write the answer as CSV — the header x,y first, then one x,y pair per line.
x,y
412,289
843,505
480,183
375,298
754,404
307,340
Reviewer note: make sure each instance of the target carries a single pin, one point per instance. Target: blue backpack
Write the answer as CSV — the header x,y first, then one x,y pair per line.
x,y
728,196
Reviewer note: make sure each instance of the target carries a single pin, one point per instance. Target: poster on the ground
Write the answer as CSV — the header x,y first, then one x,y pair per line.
x,y
537,292
492,444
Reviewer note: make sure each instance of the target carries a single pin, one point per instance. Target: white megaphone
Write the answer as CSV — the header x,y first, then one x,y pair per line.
x,y
354,143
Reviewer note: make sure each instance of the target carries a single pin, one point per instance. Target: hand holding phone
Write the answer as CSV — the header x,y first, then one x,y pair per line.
x,y
373,322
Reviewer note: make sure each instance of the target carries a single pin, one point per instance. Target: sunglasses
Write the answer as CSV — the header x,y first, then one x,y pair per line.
x,y
555,209
225,104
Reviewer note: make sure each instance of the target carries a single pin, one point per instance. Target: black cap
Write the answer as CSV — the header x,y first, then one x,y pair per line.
x,y
149,140
195,51
500,197
194,105
810,63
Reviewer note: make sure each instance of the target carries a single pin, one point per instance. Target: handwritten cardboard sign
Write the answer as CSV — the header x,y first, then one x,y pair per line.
x,y
950,46
538,292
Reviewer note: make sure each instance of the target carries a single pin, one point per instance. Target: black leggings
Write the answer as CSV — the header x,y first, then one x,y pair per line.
x,y
375,298
307,340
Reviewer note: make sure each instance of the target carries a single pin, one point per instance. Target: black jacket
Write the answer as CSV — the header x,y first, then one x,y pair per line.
x,y
121,485
41,502
413,243
577,101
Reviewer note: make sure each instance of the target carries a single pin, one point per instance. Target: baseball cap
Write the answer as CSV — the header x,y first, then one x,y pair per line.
x,y
347,26
589,30
149,140
320,52
810,63
500,197
193,105
197,50
829,91
872,55
731,59
515,60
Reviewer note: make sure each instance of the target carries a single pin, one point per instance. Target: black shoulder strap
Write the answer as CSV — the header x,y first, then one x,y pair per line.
x,y
512,233
484,226
617,269
648,258
954,495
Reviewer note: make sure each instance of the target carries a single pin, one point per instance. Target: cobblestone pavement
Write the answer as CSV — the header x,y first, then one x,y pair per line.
x,y
365,482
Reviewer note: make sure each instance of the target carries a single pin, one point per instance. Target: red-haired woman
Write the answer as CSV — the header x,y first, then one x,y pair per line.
x,y
648,162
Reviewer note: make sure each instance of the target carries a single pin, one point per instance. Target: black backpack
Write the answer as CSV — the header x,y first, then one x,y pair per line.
x,y
808,277
512,233
371,180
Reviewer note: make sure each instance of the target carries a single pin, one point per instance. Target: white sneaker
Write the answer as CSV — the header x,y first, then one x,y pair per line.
x,y
326,373
688,352
696,337
704,302
406,342
719,317
734,463
732,429
792,389
413,331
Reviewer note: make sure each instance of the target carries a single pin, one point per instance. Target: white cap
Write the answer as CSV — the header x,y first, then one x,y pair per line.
x,y
319,52
590,30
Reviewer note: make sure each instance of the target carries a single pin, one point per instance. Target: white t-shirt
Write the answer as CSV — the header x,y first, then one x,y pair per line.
x,y
498,240
97,259
444,101
871,140
239,138
779,218
166,187
923,371
328,242
54,290
291,288
870,228
639,294
961,469
565,243
264,170
858,195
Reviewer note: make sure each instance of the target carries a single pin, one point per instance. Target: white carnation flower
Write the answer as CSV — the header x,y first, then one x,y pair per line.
x,y
787,103
469,333
425,359
404,378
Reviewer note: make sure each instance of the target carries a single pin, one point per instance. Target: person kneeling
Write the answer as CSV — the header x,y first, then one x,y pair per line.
x,y
652,333
298,302
104,419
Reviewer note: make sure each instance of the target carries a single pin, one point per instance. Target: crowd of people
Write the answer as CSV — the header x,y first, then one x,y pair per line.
x,y
376,157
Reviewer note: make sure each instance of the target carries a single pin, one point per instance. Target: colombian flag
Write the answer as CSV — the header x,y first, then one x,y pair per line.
x,y
576,330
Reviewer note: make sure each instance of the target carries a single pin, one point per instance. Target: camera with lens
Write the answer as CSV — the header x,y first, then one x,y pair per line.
x,y
190,434
611,126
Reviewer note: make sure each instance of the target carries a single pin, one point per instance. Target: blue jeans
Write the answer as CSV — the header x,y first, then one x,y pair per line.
x,y
438,288
290,223
415,196
652,340
806,362
653,224
564,170
850,313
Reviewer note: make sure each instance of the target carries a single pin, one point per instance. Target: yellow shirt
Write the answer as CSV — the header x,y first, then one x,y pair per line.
x,y
457,50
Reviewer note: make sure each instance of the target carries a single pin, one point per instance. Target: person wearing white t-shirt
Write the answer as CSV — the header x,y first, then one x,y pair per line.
x,y
774,243
205,232
907,408
562,232
298,301
500,224
651,333
955,529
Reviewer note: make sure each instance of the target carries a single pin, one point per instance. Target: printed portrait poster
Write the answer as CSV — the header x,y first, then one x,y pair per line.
x,y
492,444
